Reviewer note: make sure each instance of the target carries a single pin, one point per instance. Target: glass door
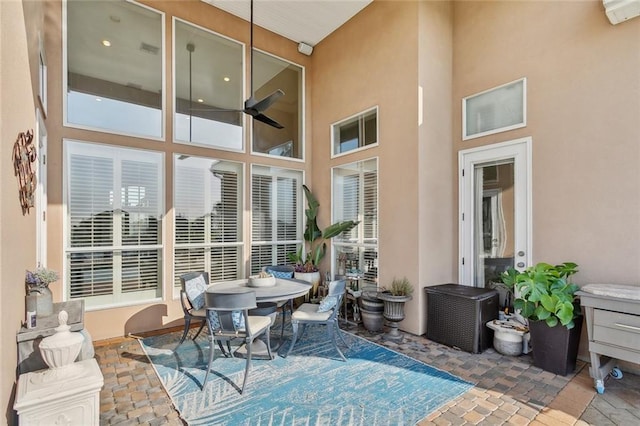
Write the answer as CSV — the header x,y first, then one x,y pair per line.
x,y
495,225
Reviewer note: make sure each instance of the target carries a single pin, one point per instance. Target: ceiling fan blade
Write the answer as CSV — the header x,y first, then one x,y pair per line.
x,y
265,103
263,118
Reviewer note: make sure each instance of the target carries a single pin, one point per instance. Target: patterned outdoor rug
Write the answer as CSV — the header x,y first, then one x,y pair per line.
x,y
312,386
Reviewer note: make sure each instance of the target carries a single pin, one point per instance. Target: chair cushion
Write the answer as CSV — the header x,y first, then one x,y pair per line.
x,y
199,312
309,312
327,303
238,320
280,271
195,289
258,323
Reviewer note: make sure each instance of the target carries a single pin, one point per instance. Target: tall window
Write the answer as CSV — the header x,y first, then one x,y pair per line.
x,y
208,217
355,132
355,197
276,228
113,242
271,74
114,66
208,88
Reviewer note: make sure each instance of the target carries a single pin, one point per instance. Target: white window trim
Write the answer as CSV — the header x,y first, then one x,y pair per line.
x,y
65,229
303,120
65,121
361,224
244,87
499,129
241,228
301,202
361,148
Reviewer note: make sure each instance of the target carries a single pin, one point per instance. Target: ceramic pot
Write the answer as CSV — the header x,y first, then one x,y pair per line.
x,y
311,277
44,300
372,320
393,312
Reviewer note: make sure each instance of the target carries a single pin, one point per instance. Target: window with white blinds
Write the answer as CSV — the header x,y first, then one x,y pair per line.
x,y
113,242
208,218
276,228
355,197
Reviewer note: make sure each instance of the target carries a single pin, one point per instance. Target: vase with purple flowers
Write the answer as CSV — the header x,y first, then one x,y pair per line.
x,y
37,283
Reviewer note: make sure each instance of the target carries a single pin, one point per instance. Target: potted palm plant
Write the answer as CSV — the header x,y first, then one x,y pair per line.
x,y
546,298
394,299
306,262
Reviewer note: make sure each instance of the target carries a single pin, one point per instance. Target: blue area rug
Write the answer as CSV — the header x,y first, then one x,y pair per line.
x,y
312,386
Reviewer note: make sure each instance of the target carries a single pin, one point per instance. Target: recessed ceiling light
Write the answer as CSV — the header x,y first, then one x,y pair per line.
x,y
98,100
106,43
226,79
200,100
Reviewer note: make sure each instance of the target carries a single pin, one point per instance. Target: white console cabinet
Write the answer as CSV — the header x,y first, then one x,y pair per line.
x,y
69,395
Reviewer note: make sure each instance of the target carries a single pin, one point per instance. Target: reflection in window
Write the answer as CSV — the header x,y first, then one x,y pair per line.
x,y
208,218
114,204
270,74
355,132
355,197
114,67
275,216
208,88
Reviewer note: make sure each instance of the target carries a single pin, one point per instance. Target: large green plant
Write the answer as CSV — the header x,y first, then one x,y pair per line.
x,y
544,292
315,238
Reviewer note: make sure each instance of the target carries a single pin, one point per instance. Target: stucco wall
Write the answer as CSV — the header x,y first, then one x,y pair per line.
x,y
372,61
17,231
583,103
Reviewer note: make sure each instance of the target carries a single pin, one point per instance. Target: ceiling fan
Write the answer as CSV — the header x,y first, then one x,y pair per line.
x,y
252,106
255,107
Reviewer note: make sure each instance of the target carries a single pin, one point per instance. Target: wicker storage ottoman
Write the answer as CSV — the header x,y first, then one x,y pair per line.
x,y
457,314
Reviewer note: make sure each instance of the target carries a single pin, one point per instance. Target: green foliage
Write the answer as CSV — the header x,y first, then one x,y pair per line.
x,y
315,238
401,287
544,292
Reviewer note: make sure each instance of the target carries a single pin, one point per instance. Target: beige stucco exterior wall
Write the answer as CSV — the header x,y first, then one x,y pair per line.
x,y
583,107
115,322
17,231
372,61
380,58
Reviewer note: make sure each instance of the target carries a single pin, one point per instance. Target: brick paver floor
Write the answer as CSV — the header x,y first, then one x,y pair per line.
x,y
508,390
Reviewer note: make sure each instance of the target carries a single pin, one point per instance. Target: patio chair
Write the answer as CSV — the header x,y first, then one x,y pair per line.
x,y
286,272
229,322
194,285
325,313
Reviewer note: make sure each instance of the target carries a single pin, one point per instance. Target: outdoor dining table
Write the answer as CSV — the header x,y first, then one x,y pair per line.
x,y
285,290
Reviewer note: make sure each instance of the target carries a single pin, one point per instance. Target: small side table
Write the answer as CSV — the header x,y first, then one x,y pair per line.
x,y
68,395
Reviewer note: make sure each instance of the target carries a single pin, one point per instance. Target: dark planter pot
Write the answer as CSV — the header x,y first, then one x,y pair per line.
x,y
372,320
555,349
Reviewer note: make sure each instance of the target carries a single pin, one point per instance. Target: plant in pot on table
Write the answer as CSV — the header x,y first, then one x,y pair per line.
x,y
306,263
546,297
394,299
38,292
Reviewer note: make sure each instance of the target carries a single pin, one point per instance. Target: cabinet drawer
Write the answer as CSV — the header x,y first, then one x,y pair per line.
x,y
616,328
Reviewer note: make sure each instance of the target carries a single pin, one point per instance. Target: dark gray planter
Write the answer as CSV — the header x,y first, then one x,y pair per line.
x,y
555,349
393,312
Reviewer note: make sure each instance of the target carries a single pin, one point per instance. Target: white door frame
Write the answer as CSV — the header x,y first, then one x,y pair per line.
x,y
41,191
520,151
